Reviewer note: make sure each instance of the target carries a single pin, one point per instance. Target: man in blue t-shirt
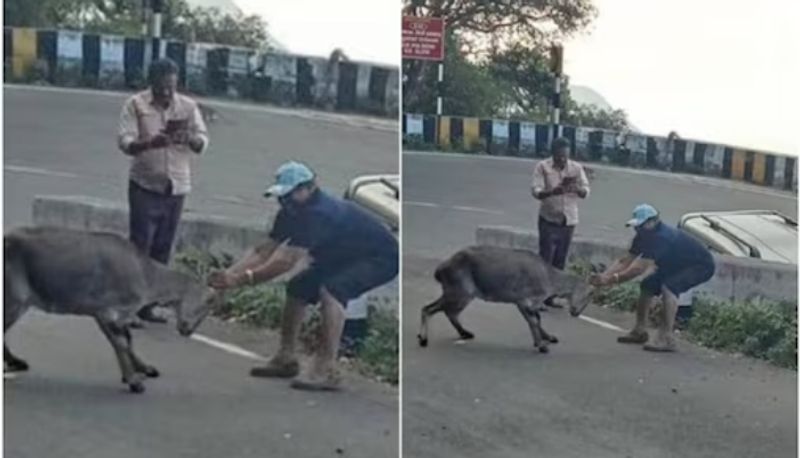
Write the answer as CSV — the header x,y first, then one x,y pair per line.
x,y
351,252
676,262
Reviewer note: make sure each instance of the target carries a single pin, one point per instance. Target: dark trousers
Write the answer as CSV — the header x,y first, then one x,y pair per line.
x,y
554,240
153,220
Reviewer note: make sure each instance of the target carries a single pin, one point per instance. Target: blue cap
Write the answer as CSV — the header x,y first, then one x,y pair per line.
x,y
289,176
642,213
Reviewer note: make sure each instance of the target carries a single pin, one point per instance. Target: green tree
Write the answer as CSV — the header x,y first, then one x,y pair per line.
x,y
591,116
124,17
485,27
525,72
492,24
469,88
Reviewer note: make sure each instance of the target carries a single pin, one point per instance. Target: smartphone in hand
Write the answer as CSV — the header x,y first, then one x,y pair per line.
x,y
176,125
177,130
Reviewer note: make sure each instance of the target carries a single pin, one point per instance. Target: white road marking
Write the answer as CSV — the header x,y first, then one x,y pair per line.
x,y
37,171
230,348
420,204
476,209
600,323
462,208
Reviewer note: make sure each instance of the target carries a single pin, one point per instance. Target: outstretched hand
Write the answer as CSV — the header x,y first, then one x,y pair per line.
x,y
221,280
598,280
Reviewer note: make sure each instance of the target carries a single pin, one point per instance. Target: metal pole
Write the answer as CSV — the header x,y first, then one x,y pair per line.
x,y
155,29
557,62
557,109
440,89
146,12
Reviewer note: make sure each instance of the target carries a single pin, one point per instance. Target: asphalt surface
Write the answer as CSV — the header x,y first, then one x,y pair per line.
x,y
495,396
64,142
205,405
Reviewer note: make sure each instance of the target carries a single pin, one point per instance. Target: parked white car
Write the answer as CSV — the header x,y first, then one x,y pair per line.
x,y
760,234
380,195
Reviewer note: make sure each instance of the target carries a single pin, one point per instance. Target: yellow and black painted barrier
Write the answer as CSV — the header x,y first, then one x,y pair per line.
x,y
529,139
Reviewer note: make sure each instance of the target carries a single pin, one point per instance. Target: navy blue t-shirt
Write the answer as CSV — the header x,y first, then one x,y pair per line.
x,y
670,248
333,230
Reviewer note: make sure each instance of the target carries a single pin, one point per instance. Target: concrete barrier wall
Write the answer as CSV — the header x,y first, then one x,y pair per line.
x,y
527,139
71,58
203,232
735,278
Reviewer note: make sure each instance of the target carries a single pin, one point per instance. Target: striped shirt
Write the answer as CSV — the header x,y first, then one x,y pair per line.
x,y
160,169
561,209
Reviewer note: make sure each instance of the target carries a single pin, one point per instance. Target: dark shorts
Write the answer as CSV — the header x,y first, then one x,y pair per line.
x,y
345,281
678,281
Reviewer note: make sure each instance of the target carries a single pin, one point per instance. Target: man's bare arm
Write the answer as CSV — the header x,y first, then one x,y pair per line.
x,y
283,259
254,257
636,268
619,265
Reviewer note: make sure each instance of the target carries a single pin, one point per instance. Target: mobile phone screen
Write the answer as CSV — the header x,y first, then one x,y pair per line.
x,y
176,125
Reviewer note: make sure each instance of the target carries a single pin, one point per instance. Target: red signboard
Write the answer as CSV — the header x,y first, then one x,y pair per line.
x,y
423,38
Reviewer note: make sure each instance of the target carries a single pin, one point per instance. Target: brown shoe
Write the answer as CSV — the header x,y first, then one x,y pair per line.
x,y
277,368
633,337
310,382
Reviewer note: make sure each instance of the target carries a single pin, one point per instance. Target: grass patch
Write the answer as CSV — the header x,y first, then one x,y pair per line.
x,y
261,306
758,328
378,355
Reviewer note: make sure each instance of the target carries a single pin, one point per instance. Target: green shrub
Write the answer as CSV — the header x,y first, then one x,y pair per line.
x,y
416,143
379,355
757,328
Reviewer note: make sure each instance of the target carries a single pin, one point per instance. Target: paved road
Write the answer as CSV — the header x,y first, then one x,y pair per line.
x,y
64,142
205,404
447,196
590,396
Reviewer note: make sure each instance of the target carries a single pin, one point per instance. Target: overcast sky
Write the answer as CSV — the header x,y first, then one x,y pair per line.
x,y
365,29
717,70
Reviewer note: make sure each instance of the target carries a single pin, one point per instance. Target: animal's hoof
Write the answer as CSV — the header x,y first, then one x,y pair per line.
x,y
137,387
467,335
553,339
544,349
423,341
151,372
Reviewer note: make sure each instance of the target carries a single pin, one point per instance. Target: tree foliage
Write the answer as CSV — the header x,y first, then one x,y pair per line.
x,y
469,89
490,24
124,17
497,61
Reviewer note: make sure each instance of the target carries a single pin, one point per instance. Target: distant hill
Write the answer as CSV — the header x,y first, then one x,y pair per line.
x,y
587,96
